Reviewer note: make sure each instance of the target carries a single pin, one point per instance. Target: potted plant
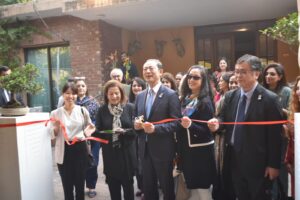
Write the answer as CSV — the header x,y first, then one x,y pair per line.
x,y
21,79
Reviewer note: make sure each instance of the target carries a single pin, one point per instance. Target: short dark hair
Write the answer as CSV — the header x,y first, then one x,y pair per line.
x,y
71,86
253,61
3,69
114,83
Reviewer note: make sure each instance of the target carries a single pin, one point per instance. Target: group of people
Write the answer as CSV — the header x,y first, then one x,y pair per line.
x,y
161,123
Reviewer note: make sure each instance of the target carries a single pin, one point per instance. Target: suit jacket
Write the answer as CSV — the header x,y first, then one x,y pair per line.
x,y
3,99
198,163
161,143
261,144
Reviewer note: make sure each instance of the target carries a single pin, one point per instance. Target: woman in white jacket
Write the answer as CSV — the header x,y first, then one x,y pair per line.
x,y
71,159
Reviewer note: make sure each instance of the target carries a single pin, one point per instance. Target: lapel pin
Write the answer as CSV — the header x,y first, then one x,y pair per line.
x,y
259,97
161,95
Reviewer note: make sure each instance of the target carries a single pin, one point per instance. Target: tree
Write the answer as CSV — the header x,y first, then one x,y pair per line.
x,y
9,2
285,30
11,36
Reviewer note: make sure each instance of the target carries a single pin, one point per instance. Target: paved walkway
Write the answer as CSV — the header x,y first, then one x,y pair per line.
x,y
101,187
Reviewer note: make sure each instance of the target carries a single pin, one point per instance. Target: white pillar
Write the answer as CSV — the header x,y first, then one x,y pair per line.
x,y
297,156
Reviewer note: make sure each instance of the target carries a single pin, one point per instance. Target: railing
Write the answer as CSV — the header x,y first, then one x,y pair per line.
x,y
83,4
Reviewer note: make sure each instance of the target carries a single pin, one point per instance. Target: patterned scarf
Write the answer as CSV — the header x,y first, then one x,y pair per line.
x,y
116,111
189,106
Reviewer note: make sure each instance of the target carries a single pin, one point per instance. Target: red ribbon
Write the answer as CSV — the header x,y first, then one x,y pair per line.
x,y
21,124
157,122
61,125
227,123
74,139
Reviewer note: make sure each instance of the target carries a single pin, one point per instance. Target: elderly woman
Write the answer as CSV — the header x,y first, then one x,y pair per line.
x,y
83,99
196,143
119,155
71,159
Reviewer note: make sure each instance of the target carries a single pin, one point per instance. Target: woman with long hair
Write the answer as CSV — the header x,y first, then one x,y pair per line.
x,y
294,108
223,87
220,69
137,85
195,142
274,80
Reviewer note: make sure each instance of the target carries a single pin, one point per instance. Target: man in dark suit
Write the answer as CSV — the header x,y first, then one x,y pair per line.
x,y
156,141
4,94
252,152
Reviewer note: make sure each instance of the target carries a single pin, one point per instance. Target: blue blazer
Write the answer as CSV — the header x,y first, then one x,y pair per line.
x,y
161,143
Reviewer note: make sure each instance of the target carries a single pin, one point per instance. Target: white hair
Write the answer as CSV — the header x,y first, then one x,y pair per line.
x,y
116,71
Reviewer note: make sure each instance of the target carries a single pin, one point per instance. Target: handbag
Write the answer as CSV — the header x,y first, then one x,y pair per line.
x,y
181,191
91,162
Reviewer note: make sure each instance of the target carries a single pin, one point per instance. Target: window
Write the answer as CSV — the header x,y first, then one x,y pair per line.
x,y
55,69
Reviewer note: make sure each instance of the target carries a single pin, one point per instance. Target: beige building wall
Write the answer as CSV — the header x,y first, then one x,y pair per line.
x,y
172,62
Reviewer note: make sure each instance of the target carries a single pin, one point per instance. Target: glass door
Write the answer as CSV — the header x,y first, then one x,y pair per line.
x,y
55,69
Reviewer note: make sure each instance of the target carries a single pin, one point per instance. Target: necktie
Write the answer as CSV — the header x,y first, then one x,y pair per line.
x,y
240,117
149,102
7,95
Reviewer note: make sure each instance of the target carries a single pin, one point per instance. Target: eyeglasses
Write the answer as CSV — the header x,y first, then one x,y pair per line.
x,y
196,78
241,71
116,76
151,68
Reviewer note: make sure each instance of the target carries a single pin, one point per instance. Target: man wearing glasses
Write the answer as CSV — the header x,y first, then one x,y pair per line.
x,y
156,141
117,74
252,152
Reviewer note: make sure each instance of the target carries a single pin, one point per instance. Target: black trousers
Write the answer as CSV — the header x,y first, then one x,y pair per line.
x,y
73,170
115,184
247,187
154,172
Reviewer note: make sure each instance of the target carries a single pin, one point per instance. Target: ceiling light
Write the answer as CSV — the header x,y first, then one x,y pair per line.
x,y
241,29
